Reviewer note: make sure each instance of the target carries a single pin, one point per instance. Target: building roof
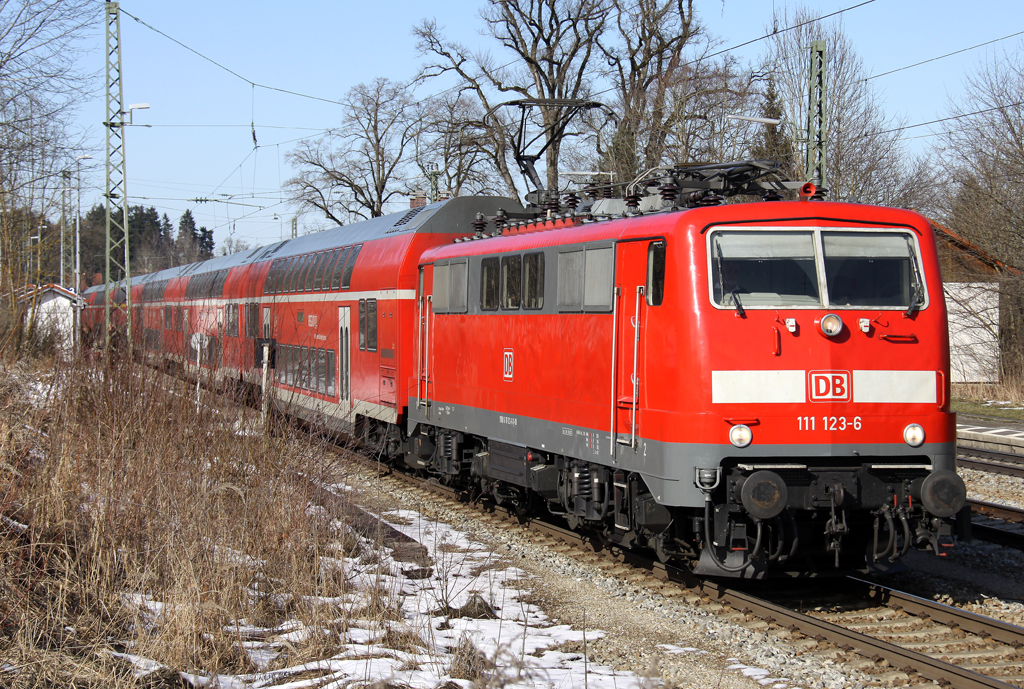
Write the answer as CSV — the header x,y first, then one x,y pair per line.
x,y
34,291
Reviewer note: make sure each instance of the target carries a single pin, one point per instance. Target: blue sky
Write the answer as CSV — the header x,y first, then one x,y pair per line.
x,y
199,143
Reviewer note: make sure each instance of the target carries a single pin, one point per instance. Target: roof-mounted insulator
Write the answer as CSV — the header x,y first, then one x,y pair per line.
x,y
669,192
500,219
633,202
711,199
572,201
480,224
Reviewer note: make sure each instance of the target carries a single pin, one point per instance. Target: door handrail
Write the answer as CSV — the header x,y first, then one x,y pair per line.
x,y
635,378
616,293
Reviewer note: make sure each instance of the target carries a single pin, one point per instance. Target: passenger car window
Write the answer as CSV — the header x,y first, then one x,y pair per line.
x,y
489,284
511,281
570,280
533,281
655,273
597,286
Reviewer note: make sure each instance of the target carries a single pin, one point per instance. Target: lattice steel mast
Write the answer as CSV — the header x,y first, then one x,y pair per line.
x,y
117,263
817,134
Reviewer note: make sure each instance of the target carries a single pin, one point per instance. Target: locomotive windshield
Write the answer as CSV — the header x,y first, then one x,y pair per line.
x,y
773,268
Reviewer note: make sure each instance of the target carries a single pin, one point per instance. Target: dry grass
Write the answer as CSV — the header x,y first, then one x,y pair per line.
x,y
1004,399
153,529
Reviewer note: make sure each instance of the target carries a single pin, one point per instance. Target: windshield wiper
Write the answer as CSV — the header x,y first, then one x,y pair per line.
x,y
736,299
916,291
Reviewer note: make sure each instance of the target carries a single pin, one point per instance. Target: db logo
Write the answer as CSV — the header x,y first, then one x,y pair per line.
x,y
507,365
830,386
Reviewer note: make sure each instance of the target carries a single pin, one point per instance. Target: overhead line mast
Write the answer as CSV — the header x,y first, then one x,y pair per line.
x,y
117,266
817,133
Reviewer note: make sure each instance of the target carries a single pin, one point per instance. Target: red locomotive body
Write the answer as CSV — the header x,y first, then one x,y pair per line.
x,y
751,388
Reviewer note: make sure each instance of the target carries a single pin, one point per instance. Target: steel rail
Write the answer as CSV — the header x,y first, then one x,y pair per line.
x,y
897,656
992,461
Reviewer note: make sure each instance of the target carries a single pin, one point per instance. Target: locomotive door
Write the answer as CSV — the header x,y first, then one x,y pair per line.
x,y
344,358
629,323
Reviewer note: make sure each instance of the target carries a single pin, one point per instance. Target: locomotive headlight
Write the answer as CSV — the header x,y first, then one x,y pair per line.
x,y
740,435
914,435
831,325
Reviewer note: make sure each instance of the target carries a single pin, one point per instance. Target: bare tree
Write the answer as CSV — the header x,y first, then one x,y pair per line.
x,y
864,153
366,159
552,43
454,142
645,63
39,88
473,69
983,152
982,155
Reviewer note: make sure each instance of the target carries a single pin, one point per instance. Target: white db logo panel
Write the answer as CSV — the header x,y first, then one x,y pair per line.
x,y
507,365
829,386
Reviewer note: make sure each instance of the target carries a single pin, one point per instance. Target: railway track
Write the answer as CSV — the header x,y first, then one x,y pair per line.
x,y
892,636
1005,463
997,524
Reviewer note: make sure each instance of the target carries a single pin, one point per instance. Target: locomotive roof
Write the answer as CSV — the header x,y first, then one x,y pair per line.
x,y
449,216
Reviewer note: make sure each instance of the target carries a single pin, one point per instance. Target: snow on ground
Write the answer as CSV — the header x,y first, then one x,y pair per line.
x,y
517,642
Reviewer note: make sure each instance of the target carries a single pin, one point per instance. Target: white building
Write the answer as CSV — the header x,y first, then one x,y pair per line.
x,y
52,307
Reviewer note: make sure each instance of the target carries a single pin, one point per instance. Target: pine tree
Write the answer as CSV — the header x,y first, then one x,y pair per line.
x,y
186,244
772,143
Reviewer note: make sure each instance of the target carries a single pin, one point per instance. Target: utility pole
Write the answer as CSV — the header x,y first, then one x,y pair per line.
x,y
65,244
117,254
814,169
433,174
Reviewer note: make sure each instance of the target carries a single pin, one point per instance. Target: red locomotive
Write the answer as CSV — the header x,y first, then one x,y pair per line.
x,y
749,388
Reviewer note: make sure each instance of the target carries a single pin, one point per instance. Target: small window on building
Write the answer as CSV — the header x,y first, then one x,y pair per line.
x,y
655,273
362,325
168,317
533,281
511,281
489,269
300,317
231,326
371,325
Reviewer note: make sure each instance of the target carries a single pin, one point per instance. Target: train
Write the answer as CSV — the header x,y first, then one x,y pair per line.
x,y
714,366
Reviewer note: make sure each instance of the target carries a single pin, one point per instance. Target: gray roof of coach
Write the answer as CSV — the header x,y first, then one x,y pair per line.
x,y
412,220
